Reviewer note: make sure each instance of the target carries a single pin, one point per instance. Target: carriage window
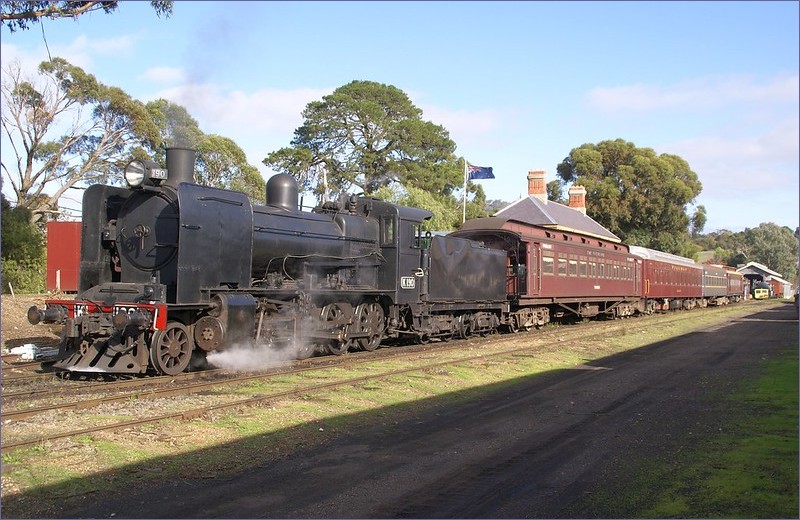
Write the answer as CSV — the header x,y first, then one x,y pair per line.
x,y
582,268
548,265
562,267
573,268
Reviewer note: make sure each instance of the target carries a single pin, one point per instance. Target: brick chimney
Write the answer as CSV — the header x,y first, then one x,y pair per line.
x,y
577,198
536,185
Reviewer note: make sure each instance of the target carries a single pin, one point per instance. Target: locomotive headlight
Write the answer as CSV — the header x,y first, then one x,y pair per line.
x,y
135,173
139,172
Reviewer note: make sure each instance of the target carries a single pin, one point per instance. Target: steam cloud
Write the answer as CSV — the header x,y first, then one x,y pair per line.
x,y
251,357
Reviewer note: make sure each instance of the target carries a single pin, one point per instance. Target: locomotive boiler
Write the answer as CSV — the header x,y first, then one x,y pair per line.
x,y
172,270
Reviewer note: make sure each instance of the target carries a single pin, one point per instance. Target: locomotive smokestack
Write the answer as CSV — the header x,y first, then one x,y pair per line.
x,y
180,165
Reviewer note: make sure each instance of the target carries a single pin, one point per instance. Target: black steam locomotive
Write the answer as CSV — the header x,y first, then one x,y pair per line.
x,y
171,270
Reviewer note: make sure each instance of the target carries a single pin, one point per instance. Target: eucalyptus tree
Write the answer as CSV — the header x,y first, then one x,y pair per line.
x,y
21,14
774,246
65,129
638,195
222,163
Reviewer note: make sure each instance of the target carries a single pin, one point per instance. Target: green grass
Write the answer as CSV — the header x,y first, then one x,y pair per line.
x,y
751,471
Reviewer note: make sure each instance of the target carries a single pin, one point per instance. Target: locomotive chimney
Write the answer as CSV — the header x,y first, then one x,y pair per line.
x,y
180,165
536,185
577,198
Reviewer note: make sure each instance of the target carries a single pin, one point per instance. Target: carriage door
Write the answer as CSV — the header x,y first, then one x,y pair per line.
x,y
533,267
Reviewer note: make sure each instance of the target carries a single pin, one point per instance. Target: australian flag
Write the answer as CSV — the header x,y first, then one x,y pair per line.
x,y
479,172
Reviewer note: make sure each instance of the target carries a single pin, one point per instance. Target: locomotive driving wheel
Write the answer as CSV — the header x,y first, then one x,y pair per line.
x,y
369,318
333,313
171,349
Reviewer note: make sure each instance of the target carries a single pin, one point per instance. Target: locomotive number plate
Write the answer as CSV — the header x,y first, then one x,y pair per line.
x,y
407,282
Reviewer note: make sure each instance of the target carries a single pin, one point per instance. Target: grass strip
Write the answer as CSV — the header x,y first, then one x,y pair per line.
x,y
751,471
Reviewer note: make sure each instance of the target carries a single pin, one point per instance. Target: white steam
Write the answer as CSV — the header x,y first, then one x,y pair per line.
x,y
250,357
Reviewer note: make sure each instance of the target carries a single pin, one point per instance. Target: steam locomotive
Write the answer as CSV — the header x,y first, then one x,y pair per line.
x,y
171,270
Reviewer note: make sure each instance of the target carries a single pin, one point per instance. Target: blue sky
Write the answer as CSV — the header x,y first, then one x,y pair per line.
x,y
517,84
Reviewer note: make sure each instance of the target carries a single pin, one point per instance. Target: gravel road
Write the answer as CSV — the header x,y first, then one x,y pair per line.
x,y
529,450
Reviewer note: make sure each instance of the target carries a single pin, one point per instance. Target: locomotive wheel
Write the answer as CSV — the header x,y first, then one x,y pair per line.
x,y
171,349
332,312
305,350
369,318
337,348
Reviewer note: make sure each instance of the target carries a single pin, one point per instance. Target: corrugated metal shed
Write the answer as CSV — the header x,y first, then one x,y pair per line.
x,y
759,272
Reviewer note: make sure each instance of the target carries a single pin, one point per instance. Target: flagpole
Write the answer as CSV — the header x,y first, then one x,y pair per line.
x,y
464,212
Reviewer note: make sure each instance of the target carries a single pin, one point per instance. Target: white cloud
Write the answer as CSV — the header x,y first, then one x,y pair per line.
x,y
259,122
766,160
779,144
27,60
81,51
164,75
236,113
703,93
466,127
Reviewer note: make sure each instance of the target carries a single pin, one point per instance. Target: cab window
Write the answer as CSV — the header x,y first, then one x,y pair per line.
x,y
388,231
420,239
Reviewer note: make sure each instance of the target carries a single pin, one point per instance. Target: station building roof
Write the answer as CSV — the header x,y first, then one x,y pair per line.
x,y
546,213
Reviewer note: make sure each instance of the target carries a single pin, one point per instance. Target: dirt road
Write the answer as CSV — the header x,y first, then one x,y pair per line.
x,y
528,450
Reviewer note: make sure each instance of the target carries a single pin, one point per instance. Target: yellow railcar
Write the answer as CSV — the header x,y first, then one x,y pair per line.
x,y
760,294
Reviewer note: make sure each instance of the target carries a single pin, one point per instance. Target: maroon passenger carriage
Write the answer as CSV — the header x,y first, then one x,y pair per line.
x,y
721,286
668,281
737,286
557,270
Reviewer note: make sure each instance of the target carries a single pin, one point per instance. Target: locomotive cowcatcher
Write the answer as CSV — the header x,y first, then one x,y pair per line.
x,y
171,270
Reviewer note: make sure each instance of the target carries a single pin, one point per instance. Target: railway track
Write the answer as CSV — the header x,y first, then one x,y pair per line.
x,y
316,375
20,403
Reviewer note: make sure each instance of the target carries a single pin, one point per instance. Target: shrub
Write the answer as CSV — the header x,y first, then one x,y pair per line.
x,y
25,276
